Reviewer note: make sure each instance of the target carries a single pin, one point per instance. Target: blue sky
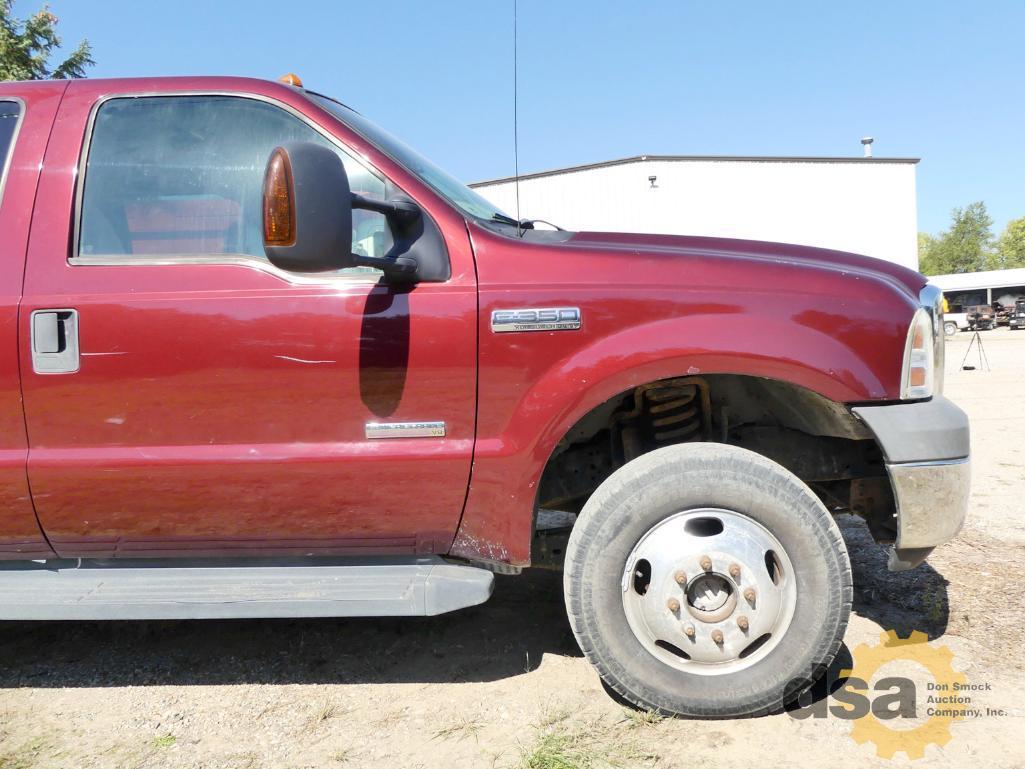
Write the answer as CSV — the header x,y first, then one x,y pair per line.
x,y
936,79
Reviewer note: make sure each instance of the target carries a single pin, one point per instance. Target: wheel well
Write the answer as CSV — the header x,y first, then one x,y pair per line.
x,y
818,440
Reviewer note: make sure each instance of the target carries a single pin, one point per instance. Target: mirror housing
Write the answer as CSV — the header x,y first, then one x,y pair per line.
x,y
307,210
307,215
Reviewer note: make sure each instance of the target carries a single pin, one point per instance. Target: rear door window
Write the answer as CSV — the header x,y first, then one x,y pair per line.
x,y
10,111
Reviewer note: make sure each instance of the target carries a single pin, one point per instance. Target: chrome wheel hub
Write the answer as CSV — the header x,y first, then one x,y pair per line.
x,y
711,597
709,591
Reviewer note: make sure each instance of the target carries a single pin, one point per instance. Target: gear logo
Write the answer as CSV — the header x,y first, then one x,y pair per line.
x,y
869,660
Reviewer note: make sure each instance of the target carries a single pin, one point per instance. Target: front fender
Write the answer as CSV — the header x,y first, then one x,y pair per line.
x,y
520,425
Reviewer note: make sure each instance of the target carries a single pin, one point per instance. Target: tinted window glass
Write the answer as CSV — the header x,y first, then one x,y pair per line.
x,y
183,176
9,112
454,191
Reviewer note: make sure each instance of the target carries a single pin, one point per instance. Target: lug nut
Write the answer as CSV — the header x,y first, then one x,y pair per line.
x,y
688,630
706,563
749,595
742,623
680,577
734,570
717,636
673,604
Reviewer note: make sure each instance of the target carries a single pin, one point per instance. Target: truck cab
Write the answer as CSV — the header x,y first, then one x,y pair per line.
x,y
263,359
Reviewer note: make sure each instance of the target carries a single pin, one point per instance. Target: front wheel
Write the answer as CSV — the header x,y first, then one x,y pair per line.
x,y
706,580
950,328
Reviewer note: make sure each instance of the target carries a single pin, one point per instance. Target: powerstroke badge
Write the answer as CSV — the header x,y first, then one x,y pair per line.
x,y
541,319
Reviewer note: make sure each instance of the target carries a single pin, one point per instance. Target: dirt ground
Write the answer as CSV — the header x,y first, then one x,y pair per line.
x,y
503,684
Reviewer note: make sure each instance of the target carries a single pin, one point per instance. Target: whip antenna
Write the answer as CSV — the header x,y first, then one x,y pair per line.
x,y
516,128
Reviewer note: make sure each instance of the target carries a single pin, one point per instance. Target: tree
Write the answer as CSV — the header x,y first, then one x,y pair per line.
x,y
26,46
966,247
1011,246
927,263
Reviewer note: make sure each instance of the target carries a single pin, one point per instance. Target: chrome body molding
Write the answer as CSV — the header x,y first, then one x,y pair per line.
x,y
404,430
931,299
536,319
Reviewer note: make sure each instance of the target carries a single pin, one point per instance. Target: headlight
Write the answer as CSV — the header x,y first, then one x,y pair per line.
x,y
922,372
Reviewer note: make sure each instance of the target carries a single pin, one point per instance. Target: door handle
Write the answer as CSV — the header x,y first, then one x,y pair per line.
x,y
55,341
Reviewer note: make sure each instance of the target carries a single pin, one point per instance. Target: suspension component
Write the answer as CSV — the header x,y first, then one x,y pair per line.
x,y
662,413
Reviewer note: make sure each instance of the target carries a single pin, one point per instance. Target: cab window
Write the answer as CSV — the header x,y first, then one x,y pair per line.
x,y
182,176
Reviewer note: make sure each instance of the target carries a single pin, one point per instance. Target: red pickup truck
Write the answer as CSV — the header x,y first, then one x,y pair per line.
x,y
261,359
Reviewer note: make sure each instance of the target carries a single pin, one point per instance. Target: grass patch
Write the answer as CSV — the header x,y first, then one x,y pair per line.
x,y
25,756
636,719
163,741
343,756
582,750
551,715
324,712
466,727
247,760
327,711
389,719
558,751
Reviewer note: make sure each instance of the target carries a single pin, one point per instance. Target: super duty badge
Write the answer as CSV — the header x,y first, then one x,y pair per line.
x,y
540,319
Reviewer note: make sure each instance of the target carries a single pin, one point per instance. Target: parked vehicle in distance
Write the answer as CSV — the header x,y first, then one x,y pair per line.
x,y
954,322
261,360
981,317
1003,311
1017,318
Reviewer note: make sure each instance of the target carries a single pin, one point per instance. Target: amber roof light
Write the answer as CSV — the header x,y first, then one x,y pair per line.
x,y
291,79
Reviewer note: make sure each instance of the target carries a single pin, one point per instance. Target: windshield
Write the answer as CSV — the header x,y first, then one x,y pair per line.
x,y
449,188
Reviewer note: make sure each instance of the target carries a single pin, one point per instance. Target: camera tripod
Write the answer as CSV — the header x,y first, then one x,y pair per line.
x,y
981,350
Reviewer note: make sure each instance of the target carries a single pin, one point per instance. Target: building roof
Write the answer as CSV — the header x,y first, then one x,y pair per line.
x,y
965,281
691,158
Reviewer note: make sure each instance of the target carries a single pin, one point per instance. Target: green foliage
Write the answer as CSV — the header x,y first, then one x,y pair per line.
x,y
966,247
27,44
926,261
1011,245
969,246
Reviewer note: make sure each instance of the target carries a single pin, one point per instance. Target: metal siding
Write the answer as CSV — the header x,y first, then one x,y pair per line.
x,y
867,208
968,281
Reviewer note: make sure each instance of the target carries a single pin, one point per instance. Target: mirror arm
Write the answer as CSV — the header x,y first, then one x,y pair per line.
x,y
400,265
404,211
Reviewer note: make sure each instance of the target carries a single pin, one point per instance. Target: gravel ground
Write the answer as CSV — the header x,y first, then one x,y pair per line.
x,y
503,684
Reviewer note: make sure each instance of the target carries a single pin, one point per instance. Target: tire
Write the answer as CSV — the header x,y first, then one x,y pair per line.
x,y
751,494
950,329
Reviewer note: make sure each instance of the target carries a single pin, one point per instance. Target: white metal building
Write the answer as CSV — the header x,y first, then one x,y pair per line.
x,y
864,205
973,288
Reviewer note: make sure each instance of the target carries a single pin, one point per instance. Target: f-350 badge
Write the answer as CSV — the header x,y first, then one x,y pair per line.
x,y
540,319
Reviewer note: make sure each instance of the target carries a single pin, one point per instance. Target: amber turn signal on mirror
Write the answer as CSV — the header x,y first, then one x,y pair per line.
x,y
278,201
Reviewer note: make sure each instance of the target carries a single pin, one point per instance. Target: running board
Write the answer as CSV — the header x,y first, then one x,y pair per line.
x,y
236,588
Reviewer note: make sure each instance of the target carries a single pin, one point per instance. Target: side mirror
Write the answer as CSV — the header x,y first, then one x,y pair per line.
x,y
307,214
307,211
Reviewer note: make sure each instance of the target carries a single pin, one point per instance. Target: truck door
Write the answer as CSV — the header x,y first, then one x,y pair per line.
x,y
26,114
183,396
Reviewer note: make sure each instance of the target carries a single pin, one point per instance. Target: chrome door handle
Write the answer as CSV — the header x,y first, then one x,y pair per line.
x,y
55,341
